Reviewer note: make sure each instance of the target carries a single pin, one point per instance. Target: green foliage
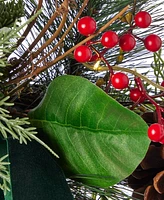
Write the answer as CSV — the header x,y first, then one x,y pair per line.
x,y
4,175
99,141
158,66
17,128
14,126
10,11
8,41
102,11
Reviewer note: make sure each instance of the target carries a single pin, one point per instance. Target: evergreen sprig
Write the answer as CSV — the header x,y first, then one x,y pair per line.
x,y
14,127
4,175
17,128
10,11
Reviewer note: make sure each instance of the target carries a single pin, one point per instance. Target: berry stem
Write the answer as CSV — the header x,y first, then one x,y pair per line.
x,y
110,75
104,51
141,87
118,68
110,72
138,37
88,43
157,95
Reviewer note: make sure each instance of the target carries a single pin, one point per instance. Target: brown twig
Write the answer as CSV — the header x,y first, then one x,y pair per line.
x,y
34,55
30,25
43,68
65,34
134,7
60,57
57,32
50,21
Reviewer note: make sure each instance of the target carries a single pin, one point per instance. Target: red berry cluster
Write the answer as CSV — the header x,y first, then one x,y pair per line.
x,y
87,26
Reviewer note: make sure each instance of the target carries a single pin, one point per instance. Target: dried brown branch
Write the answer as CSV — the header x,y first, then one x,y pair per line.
x,y
41,69
37,39
38,70
62,9
65,34
30,25
57,32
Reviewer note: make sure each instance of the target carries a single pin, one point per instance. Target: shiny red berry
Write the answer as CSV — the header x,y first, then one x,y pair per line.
x,y
161,140
135,95
120,80
153,42
155,132
109,39
142,19
86,25
127,42
162,84
83,53
94,58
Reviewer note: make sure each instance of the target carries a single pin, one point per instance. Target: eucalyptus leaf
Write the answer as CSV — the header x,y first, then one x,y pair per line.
x,y
99,141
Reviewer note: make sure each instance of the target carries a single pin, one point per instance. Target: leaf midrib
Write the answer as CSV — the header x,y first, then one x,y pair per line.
x,y
83,127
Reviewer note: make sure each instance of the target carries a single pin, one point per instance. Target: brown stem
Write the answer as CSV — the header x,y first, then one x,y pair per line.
x,y
34,55
41,69
57,32
30,25
49,64
65,34
134,7
50,21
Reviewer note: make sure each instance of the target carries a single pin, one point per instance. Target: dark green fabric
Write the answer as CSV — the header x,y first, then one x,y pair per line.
x,y
35,175
1,195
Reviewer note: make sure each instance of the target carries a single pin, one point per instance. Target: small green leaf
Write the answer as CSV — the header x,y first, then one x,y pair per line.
x,y
99,141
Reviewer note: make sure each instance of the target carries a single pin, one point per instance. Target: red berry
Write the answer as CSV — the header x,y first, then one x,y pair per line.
x,y
86,25
142,19
135,95
155,132
162,84
94,58
109,39
83,53
153,42
127,42
120,80
161,140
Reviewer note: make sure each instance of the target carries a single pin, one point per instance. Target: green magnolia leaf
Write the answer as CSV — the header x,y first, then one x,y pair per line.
x,y
98,140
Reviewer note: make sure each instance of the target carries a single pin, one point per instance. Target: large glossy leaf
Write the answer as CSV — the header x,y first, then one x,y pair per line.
x,y
98,140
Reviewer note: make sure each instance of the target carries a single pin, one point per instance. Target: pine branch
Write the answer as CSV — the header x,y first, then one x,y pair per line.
x,y
10,11
4,175
18,128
